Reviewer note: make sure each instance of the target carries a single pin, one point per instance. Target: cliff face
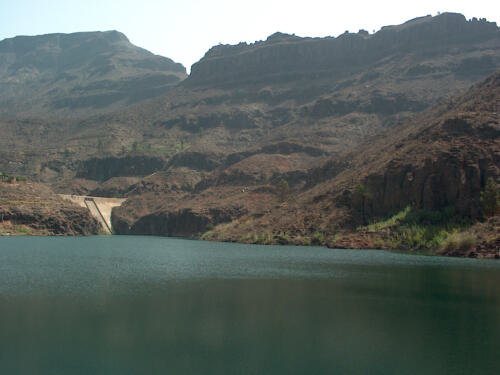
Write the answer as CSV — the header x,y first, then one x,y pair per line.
x,y
178,223
444,160
72,73
283,57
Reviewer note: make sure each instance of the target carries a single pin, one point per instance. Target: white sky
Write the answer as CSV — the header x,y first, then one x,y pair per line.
x,y
185,30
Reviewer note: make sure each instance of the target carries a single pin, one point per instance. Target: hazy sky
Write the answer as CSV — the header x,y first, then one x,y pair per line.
x,y
185,30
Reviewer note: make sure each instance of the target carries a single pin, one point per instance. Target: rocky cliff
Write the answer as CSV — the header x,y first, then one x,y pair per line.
x,y
285,57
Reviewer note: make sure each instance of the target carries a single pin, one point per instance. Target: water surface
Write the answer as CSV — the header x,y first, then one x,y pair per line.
x,y
149,305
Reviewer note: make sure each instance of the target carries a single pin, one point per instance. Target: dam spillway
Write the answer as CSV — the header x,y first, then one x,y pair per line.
x,y
99,207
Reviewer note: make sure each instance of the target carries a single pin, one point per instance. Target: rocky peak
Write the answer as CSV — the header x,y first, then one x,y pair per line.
x,y
67,72
278,37
63,51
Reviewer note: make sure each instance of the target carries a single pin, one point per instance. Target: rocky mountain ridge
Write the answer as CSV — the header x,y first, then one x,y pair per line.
x,y
204,127
282,56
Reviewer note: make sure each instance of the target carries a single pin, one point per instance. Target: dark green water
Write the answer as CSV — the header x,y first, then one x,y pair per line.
x,y
148,305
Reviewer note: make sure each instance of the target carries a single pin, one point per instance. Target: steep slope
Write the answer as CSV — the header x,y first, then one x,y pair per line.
x,y
439,160
72,74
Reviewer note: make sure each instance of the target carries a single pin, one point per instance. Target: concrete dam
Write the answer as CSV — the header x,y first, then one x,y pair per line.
x,y
99,207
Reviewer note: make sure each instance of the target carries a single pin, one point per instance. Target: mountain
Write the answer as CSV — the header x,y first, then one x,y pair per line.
x,y
326,94
74,74
255,124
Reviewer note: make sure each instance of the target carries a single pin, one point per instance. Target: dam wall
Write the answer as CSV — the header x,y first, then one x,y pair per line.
x,y
99,207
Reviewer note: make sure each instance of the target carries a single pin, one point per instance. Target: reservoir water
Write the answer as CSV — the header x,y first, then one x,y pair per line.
x,y
149,305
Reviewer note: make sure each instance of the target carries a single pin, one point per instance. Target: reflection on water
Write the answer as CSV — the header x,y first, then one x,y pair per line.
x,y
145,305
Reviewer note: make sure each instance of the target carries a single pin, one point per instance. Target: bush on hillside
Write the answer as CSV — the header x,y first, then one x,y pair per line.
x,y
490,198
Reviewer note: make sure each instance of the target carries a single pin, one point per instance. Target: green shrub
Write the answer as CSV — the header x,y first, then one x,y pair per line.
x,y
318,238
206,235
490,198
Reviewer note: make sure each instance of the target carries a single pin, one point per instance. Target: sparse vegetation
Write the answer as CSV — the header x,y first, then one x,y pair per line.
x,y
11,178
490,198
182,145
458,241
390,222
23,229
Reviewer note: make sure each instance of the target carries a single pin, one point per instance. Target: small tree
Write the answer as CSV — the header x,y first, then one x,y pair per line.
x,y
490,198
283,190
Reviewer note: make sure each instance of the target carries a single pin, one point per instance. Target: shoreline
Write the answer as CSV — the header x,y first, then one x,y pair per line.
x,y
355,245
